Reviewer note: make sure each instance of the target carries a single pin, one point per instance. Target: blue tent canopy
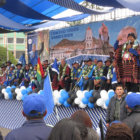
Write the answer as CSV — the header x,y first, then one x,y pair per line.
x,y
22,14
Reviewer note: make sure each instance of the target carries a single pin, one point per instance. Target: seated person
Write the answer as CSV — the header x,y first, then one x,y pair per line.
x,y
75,73
64,75
86,74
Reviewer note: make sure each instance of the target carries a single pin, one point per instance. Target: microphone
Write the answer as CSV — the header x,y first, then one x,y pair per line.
x,y
129,42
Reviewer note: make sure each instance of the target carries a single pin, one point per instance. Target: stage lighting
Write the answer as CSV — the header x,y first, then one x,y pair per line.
x,y
2,2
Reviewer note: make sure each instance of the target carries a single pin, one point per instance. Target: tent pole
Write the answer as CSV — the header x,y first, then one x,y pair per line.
x,y
26,49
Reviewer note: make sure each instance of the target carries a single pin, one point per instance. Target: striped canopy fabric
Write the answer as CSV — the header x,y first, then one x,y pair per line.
x,y
22,14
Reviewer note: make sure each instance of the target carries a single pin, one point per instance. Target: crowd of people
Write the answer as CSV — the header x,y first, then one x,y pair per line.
x,y
122,66
79,125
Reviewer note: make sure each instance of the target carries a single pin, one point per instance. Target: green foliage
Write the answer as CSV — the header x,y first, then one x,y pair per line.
x,y
3,56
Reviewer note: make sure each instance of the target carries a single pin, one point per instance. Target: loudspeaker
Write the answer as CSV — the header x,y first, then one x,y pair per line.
x,y
2,2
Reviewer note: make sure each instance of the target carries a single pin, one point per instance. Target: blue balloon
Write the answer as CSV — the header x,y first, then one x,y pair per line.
x,y
66,104
91,91
64,94
23,91
8,89
90,105
13,86
29,89
85,101
23,97
111,94
41,92
10,94
61,100
88,95
107,102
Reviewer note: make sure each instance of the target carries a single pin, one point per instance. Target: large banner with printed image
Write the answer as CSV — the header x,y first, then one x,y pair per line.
x,y
93,38
38,46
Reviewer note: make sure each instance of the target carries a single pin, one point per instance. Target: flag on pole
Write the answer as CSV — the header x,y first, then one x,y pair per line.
x,y
55,66
40,72
48,97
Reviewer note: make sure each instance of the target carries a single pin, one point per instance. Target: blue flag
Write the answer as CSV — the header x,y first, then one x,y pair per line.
x,y
48,95
55,66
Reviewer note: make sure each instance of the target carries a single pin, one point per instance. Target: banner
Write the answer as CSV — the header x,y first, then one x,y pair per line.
x,y
93,38
38,45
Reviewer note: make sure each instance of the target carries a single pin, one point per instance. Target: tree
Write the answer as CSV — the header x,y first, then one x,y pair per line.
x,y
3,56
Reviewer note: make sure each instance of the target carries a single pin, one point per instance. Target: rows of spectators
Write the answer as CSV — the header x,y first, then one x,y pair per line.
x,y
79,126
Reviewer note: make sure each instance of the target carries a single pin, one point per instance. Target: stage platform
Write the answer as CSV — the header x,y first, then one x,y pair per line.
x,y
11,116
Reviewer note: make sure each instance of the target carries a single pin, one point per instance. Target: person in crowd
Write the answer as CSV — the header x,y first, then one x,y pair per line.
x,y
130,60
133,118
95,61
18,75
75,73
1,138
86,74
27,75
31,66
10,76
112,76
34,110
8,64
99,78
105,72
111,56
127,59
64,75
3,74
67,129
116,109
119,131
82,117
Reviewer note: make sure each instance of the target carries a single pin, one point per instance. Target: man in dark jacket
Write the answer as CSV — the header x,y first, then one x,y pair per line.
x,y
133,119
116,109
34,109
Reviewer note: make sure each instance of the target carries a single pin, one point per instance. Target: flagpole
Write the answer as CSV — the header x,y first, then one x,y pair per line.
x,y
55,108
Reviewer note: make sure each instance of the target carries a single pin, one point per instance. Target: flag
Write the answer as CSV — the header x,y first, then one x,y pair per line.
x,y
48,97
40,72
101,129
55,66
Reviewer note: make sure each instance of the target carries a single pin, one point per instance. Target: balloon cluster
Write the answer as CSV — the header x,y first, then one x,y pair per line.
x,y
80,98
16,93
105,98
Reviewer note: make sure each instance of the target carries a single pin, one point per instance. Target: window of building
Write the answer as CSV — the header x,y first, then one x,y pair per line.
x,y
1,40
10,40
20,40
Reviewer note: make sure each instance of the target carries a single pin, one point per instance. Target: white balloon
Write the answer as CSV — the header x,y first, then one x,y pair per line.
x,y
17,90
104,95
22,87
3,90
104,106
55,92
79,92
110,90
138,92
100,102
84,92
6,96
8,87
129,92
81,105
18,98
77,101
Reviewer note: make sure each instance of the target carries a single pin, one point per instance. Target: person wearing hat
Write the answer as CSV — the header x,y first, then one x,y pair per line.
x,y
10,76
86,74
18,74
75,73
34,128
98,75
133,118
